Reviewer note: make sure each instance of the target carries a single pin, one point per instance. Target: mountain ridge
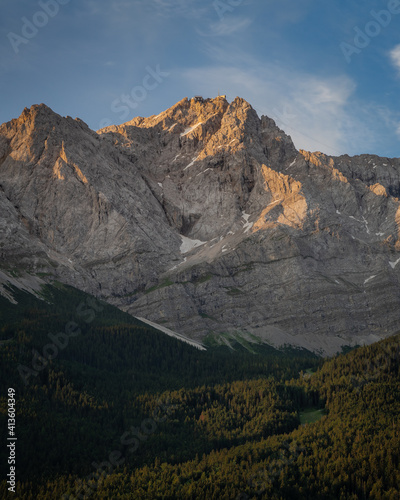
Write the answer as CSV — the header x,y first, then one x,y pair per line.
x,y
207,220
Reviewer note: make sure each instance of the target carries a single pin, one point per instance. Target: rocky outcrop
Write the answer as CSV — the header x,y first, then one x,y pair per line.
x,y
85,210
206,219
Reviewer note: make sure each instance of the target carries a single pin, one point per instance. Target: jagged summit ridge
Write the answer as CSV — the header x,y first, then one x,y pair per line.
x,y
193,141
205,218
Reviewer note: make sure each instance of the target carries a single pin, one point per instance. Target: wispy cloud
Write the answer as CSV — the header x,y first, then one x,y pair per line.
x,y
321,110
226,27
190,9
298,102
395,57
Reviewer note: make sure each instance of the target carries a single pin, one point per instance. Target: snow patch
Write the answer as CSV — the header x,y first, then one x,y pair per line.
x,y
191,163
380,234
160,184
394,264
176,335
369,279
188,130
366,224
339,213
188,244
202,171
363,221
247,225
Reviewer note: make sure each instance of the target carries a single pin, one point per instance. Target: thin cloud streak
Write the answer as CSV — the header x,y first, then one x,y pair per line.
x,y
395,57
226,27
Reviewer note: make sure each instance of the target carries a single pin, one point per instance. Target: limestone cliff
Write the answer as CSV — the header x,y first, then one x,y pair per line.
x,y
206,219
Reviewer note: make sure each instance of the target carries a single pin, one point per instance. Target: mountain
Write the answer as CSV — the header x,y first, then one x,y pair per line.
x,y
205,219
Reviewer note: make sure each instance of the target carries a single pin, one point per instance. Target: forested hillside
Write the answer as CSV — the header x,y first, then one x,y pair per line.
x,y
119,410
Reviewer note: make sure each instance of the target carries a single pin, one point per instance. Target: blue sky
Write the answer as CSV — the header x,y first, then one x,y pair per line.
x,y
297,61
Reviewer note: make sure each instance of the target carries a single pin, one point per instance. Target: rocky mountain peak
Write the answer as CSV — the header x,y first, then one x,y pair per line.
x,y
37,110
197,117
207,219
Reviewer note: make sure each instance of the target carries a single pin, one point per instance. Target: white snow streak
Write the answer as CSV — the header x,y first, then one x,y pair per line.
x,y
364,221
394,264
366,224
202,171
179,154
247,225
176,335
188,130
191,163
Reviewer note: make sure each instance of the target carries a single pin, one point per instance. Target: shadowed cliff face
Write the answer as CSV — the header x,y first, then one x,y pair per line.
x,y
206,219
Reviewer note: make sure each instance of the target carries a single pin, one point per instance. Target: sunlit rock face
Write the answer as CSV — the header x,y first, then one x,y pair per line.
x,y
206,219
